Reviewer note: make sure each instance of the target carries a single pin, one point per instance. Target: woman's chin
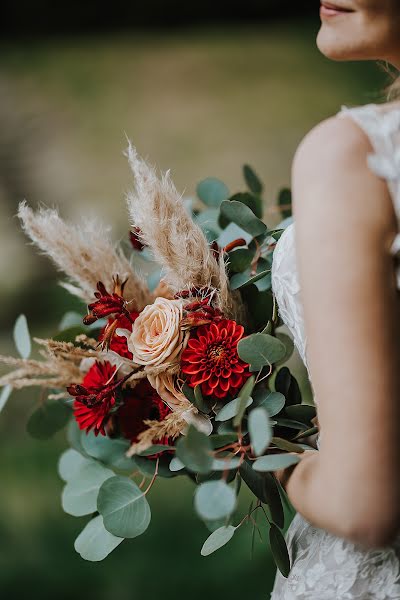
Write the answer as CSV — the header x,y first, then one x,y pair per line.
x,y
330,46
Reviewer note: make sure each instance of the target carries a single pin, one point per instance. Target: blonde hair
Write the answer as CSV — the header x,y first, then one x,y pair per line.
x,y
392,90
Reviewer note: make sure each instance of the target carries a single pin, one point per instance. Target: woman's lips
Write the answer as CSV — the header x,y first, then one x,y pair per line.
x,y
332,10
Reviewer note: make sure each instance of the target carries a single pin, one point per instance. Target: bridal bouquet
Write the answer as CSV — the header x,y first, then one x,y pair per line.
x,y
177,369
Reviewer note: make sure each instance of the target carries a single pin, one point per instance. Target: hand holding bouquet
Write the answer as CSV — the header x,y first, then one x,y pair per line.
x,y
179,375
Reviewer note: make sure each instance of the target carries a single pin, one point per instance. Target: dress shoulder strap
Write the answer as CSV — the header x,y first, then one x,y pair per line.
x,y
382,126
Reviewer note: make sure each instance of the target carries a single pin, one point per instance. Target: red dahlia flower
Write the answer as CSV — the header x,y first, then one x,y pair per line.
x,y
139,404
95,398
211,359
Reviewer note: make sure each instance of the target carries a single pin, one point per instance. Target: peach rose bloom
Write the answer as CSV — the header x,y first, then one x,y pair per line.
x,y
156,336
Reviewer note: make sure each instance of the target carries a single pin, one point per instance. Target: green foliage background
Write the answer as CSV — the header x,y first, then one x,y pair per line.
x,y
202,103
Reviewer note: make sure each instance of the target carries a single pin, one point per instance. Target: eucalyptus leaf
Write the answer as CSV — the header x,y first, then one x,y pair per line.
x,y
212,191
155,449
273,403
74,436
273,462
250,200
225,464
304,413
265,488
79,496
243,216
22,337
241,280
244,397
285,202
218,539
279,550
176,465
70,319
195,451
214,500
230,410
260,430
260,349
95,543
124,507
253,181
47,419
289,423
240,260
219,441
4,395
110,451
286,445
70,463
199,401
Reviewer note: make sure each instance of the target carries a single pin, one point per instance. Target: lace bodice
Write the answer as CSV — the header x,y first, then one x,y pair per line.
x,y
324,566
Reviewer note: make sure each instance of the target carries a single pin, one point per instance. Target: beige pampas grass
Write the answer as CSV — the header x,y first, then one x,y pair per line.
x,y
178,244
58,369
84,253
171,427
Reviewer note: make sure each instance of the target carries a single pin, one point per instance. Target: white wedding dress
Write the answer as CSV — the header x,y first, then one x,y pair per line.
x,y
325,567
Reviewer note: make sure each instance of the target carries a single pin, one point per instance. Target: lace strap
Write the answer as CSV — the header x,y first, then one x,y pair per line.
x,y
382,127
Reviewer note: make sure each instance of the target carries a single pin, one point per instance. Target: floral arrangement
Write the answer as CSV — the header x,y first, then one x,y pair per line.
x,y
178,367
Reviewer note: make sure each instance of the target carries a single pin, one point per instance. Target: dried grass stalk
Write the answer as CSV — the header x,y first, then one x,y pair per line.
x,y
84,253
171,427
178,244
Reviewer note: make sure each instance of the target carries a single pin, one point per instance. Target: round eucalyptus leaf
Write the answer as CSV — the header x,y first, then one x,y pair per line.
x,y
260,349
124,507
242,280
212,191
279,550
214,500
110,451
155,449
244,397
47,419
176,465
240,260
273,403
230,410
194,450
225,464
4,395
243,216
22,337
260,430
79,496
70,463
74,436
95,543
217,540
273,462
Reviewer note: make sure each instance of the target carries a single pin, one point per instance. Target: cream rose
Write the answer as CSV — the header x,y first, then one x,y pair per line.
x,y
156,336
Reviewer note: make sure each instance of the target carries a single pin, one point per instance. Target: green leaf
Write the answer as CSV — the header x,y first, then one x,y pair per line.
x,y
287,384
79,496
286,445
195,451
241,280
253,202
95,543
124,507
290,423
285,202
273,403
219,441
260,349
45,421
244,397
4,395
225,464
217,540
176,465
273,462
265,488
231,409
70,334
302,413
289,345
22,337
279,550
242,215
70,319
208,222
214,500
199,401
155,449
212,191
74,436
110,451
240,259
70,463
253,182
260,430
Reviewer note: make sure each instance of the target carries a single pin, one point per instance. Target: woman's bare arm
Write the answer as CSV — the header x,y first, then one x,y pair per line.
x,y
345,223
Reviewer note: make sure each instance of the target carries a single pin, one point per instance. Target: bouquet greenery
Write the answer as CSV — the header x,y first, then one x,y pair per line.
x,y
177,369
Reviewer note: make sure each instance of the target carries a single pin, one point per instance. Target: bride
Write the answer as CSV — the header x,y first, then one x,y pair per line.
x,y
345,539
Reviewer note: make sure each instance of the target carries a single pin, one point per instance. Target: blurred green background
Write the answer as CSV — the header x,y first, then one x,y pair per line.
x,y
200,100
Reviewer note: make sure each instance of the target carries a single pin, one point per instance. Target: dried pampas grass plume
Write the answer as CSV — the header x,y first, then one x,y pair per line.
x,y
85,254
178,244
